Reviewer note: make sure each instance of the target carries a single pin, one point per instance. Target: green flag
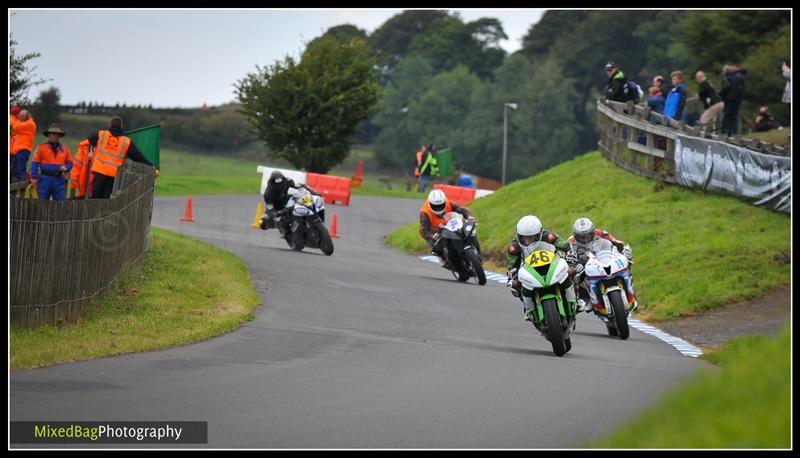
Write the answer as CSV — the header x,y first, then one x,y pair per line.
x,y
147,140
445,162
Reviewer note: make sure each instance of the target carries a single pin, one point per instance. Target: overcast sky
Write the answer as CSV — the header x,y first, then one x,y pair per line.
x,y
184,58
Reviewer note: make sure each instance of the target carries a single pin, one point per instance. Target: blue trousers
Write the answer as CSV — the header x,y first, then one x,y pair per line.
x,y
51,186
19,165
423,182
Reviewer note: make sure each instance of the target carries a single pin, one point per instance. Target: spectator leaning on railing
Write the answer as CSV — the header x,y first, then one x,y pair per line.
x,y
615,90
675,106
111,147
711,101
656,100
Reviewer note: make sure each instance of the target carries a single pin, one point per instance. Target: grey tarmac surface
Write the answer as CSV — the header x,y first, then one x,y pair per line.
x,y
368,348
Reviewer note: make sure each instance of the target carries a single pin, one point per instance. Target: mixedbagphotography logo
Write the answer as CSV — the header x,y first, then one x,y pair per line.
x,y
112,233
72,432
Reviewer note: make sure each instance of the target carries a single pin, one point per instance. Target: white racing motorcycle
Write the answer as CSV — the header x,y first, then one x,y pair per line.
x,y
305,226
608,280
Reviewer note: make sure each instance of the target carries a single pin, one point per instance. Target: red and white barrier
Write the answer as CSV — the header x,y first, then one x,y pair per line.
x,y
461,195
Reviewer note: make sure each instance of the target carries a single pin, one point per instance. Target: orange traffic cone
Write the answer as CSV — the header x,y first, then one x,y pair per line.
x,y
356,182
187,213
332,232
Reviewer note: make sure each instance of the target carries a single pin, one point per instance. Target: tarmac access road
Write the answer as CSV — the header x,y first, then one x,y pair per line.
x,y
368,348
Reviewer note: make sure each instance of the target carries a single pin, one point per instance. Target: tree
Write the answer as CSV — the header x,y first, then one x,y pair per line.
x,y
391,40
20,76
451,43
395,145
47,106
343,33
308,112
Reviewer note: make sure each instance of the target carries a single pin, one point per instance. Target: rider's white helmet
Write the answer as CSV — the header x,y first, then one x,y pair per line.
x,y
529,230
583,230
437,201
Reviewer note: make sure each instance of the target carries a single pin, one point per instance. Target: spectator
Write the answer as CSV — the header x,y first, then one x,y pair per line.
x,y
656,100
665,86
79,180
111,147
731,93
711,101
23,129
617,83
429,167
675,105
418,157
12,120
765,121
787,91
49,165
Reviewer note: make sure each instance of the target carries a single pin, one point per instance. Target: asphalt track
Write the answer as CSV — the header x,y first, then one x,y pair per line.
x,y
368,348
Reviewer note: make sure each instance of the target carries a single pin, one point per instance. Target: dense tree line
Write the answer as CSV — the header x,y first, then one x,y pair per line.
x,y
446,81
439,79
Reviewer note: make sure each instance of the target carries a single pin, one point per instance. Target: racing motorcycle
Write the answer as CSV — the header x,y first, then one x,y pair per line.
x,y
543,272
461,255
608,280
301,222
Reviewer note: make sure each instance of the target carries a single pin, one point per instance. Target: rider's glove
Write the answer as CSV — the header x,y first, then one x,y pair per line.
x,y
627,252
578,268
571,257
512,274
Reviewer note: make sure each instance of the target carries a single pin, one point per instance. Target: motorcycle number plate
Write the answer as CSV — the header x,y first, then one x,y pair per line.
x,y
540,258
454,225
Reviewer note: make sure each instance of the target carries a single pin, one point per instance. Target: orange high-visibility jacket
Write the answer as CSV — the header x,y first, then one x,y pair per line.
x,y
419,163
12,121
110,153
79,176
436,220
44,155
22,136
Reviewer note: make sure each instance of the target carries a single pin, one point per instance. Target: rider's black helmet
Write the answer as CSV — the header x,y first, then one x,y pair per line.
x,y
276,177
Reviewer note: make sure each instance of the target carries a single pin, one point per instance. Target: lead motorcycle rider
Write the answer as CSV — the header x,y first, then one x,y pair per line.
x,y
531,237
586,239
277,194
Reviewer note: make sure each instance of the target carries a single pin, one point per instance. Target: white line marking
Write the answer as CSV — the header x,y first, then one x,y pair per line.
x,y
684,347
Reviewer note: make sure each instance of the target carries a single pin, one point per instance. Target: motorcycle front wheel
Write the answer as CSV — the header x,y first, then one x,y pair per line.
x,y
325,242
553,321
475,262
620,315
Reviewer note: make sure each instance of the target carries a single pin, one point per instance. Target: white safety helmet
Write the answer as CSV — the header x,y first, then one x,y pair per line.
x,y
583,230
529,230
437,201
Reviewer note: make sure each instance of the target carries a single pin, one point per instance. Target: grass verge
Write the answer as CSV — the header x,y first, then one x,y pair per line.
x,y
693,251
743,404
184,291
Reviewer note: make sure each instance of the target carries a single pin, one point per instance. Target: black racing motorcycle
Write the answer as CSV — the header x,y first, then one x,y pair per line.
x,y
461,255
